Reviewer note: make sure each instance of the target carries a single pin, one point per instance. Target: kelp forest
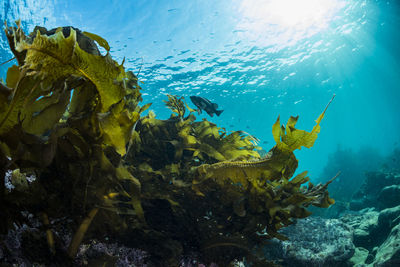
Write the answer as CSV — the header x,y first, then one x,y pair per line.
x,y
78,153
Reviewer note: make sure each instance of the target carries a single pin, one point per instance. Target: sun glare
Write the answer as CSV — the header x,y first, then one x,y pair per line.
x,y
289,18
304,13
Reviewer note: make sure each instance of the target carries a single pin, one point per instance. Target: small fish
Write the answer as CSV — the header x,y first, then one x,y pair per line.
x,y
206,105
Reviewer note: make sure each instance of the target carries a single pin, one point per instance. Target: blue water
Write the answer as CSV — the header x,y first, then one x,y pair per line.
x,y
256,59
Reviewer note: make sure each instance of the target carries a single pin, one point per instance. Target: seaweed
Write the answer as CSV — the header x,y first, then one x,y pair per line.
x,y
67,119
71,117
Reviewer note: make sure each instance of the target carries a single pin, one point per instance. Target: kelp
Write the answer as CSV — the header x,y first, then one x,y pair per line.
x,y
70,117
267,184
185,141
177,105
279,164
67,119
223,177
55,57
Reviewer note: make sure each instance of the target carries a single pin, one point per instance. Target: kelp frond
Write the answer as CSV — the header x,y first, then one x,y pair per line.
x,y
269,179
55,57
69,113
177,105
280,163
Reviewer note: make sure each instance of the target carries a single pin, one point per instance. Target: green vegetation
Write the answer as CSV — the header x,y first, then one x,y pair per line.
x,y
71,117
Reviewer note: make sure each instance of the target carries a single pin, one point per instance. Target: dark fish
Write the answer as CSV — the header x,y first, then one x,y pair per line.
x,y
204,104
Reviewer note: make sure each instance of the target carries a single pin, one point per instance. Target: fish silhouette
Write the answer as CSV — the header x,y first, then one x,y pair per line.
x,y
204,104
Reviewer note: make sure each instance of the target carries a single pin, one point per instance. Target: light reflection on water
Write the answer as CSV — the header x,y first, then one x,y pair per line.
x,y
285,22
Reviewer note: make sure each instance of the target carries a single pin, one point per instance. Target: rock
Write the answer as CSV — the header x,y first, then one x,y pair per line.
x,y
388,218
1,254
388,253
390,196
359,257
371,256
359,204
370,193
375,181
96,253
365,225
378,233
313,242
27,246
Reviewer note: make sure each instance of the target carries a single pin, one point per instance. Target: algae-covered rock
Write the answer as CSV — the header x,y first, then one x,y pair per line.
x,y
376,232
389,196
388,218
314,241
371,193
388,254
365,227
359,257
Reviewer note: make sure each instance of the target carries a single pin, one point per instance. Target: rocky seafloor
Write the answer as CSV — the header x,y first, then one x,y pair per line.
x,y
365,232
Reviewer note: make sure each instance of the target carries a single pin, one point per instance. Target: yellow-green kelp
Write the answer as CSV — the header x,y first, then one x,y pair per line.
x,y
71,117
67,116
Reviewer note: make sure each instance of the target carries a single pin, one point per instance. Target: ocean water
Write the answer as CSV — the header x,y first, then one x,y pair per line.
x,y
256,59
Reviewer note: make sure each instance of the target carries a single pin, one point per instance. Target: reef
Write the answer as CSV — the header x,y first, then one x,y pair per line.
x,y
363,232
372,213
314,241
79,156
